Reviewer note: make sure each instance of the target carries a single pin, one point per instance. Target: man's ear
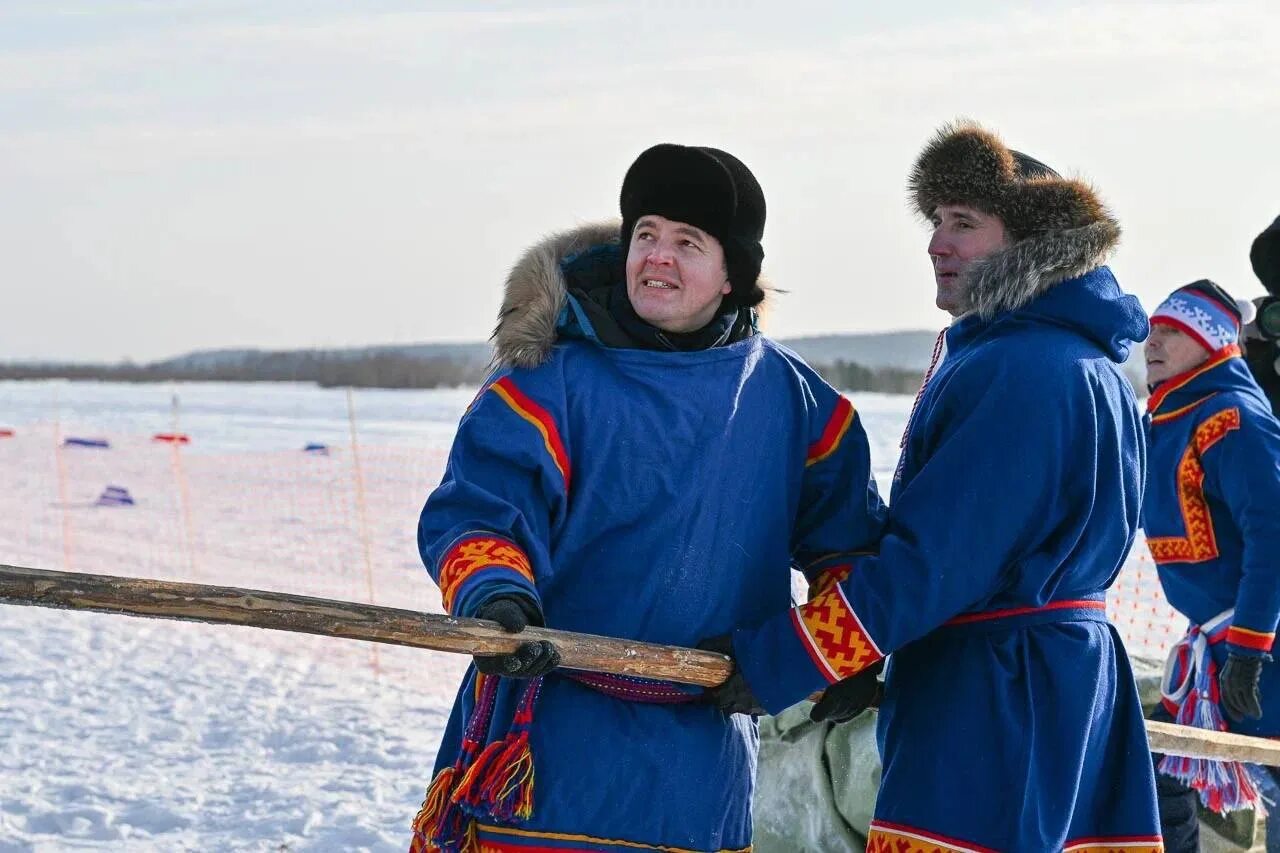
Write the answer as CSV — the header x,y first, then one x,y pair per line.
x,y
726,288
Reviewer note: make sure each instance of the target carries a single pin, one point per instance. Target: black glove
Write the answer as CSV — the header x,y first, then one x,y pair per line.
x,y
734,696
515,613
846,699
1238,685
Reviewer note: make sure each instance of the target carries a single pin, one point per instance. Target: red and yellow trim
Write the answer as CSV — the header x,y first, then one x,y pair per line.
x,y
1118,844
894,838
828,578
834,432
833,635
1200,542
1173,383
1256,640
506,839
474,553
1177,413
541,420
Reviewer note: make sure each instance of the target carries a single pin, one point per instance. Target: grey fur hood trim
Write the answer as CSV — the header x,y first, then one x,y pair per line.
x,y
535,295
1012,277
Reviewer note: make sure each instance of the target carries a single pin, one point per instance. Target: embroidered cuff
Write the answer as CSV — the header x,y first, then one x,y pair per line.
x,y
803,650
480,560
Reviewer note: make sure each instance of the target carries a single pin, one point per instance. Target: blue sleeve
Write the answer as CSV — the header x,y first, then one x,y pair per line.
x,y
984,494
486,528
841,515
1243,469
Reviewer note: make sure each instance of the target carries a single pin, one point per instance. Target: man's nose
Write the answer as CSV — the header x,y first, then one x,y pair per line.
x,y
939,246
660,253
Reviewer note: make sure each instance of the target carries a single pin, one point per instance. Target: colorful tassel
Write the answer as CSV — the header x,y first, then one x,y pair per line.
x,y
428,820
1224,786
499,784
442,825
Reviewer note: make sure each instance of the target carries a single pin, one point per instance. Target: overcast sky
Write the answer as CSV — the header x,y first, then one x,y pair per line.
x,y
189,174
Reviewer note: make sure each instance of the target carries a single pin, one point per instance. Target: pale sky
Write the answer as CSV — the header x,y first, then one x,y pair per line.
x,y
190,174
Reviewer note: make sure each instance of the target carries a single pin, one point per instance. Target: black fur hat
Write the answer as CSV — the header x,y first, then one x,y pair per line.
x,y
710,189
966,164
1265,257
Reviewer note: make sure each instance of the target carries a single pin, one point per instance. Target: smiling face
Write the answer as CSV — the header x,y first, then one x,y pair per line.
x,y
1170,352
676,276
961,235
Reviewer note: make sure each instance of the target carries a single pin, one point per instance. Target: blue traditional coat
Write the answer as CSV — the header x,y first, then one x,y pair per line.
x,y
1011,719
656,496
1212,517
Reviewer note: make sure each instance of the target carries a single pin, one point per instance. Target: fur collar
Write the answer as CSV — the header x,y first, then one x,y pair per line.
x,y
1012,277
535,295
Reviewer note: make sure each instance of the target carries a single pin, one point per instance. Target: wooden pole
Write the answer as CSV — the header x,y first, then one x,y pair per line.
x,y
1173,739
281,611
284,612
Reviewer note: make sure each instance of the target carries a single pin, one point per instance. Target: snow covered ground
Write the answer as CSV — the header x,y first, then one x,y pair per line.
x,y
133,734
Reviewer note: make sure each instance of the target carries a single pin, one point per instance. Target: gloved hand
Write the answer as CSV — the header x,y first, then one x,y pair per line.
x,y
734,696
846,699
1238,686
515,613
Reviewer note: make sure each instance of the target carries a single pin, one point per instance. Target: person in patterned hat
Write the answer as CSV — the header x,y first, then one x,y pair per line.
x,y
1010,719
1211,515
642,464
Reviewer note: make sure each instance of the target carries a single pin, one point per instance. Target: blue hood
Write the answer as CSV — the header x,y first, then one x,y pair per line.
x,y
1094,305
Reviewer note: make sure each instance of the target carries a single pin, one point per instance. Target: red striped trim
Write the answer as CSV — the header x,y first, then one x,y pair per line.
x,y
894,838
1177,413
834,432
508,839
541,420
1116,844
1022,611
1173,383
1256,640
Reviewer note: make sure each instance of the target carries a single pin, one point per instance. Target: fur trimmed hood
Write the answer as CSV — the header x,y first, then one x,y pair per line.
x,y
536,293
1059,227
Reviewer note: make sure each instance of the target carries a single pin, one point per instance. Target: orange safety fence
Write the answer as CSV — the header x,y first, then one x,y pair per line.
x,y
336,524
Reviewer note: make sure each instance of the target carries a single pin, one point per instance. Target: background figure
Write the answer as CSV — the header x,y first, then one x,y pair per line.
x,y
1212,524
1262,336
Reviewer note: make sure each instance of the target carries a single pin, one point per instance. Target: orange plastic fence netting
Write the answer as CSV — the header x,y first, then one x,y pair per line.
x,y
311,523
293,521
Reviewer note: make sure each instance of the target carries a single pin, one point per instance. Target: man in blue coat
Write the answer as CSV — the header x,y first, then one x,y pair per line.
x,y
1010,719
642,464
1212,521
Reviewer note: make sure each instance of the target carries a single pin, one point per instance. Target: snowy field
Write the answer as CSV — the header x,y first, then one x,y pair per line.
x,y
141,735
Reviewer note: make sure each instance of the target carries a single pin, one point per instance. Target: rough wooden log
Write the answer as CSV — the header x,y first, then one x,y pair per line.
x,y
284,612
1173,739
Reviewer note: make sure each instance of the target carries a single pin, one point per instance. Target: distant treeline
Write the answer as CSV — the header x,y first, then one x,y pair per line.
x,y
387,370
848,376
369,371
393,370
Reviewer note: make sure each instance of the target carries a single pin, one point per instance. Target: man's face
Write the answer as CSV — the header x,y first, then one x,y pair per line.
x,y
1170,352
961,235
676,275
